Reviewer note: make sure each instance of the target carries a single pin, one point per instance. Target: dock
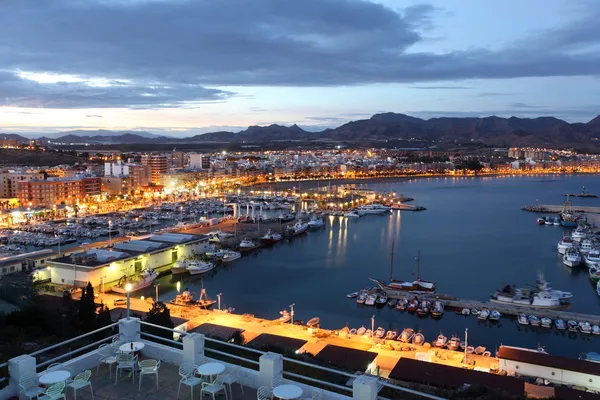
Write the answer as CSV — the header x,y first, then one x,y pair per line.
x,y
407,207
550,209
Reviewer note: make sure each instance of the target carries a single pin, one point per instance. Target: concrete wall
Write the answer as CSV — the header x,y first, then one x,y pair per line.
x,y
554,375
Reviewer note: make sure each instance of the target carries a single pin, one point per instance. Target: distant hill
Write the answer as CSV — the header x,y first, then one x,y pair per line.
x,y
13,136
492,130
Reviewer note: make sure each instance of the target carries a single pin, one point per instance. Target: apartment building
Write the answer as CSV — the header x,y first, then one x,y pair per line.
x,y
9,179
54,191
158,165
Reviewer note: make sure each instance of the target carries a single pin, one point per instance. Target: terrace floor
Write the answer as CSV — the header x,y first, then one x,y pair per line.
x,y
168,382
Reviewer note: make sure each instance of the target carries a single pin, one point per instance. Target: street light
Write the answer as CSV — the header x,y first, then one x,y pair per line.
x,y
466,343
373,325
219,300
178,286
128,290
156,286
181,213
292,313
109,233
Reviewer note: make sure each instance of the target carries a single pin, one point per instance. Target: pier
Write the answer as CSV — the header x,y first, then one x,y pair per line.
x,y
556,209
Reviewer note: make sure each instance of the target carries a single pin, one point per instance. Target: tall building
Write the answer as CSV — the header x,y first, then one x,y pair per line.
x,y
55,191
8,181
176,160
157,164
199,161
140,175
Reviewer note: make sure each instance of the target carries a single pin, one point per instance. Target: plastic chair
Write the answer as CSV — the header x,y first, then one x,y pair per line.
x,y
53,367
233,377
106,356
214,388
186,371
81,381
53,392
264,393
148,367
125,361
29,386
276,381
316,395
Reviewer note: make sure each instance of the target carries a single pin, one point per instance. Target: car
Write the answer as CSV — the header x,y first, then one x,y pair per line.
x,y
119,302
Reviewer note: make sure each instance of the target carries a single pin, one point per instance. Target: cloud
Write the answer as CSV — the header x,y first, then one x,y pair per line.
x,y
93,116
493,94
440,87
169,53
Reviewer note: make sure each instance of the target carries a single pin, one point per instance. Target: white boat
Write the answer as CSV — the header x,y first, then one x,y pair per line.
x,y
179,267
352,295
406,335
523,320
229,256
541,297
418,339
370,300
534,320
297,229
285,316
197,267
556,221
351,214
592,258
595,329
585,328
361,331
546,322
494,315
316,222
579,233
381,299
373,209
314,322
483,314
572,258
573,326
379,333
247,245
586,246
564,244
270,237
138,282
465,311
361,298
440,341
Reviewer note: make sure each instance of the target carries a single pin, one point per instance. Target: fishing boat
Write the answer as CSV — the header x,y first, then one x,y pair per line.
x,y
567,219
586,246
560,324
564,244
580,233
483,314
381,300
379,333
392,303
474,311
572,326
533,320
440,341
352,295
368,333
546,322
270,237
361,331
370,300
438,309
391,335
541,221
418,339
543,296
316,222
523,320
424,308
585,327
197,267
285,316
361,298
412,305
572,258
406,335
454,343
494,315
397,287
179,267
470,350
592,258
297,229
186,299
479,350
138,282
247,245
595,330
287,217
465,311
402,304
314,322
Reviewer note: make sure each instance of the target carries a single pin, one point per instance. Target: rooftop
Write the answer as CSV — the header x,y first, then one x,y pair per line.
x,y
546,360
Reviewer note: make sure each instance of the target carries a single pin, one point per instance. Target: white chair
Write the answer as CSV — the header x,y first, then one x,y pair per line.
x,y
125,361
116,342
264,393
186,371
106,355
53,367
29,386
233,377
148,367
214,388
81,381
53,392
276,381
316,395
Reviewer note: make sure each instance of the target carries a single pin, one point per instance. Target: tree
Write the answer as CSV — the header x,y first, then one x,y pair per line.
x,y
87,309
160,315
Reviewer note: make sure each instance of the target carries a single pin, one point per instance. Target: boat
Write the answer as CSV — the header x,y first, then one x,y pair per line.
x,y
580,233
572,258
470,350
186,299
391,335
548,221
479,350
316,222
351,214
412,305
247,245
483,314
179,267
585,328
381,300
595,329
556,221
543,296
352,295
297,229
270,237
361,331
591,356
374,209
466,311
572,326
418,339
368,333
197,267
592,258
454,343
586,246
440,341
424,308
567,219
438,309
522,318
140,281
286,217
353,331
314,322
379,333
474,311
285,316
494,315
401,304
229,256
598,288
370,300
397,287
533,320
560,324
541,221
392,303
546,322
361,298
564,244
406,335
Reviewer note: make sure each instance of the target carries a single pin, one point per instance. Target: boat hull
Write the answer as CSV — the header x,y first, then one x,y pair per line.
x,y
561,306
133,289
178,270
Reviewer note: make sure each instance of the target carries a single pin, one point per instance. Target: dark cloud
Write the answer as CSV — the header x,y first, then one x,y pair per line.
x,y
175,49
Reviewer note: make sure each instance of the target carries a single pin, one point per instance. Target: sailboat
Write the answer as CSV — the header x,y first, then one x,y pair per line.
x,y
396,287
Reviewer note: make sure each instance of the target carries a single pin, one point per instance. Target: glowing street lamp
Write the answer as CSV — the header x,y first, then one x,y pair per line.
x,y
219,301
128,290
109,233
292,313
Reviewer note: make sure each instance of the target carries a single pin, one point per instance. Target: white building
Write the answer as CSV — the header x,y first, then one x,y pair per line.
x,y
116,169
199,161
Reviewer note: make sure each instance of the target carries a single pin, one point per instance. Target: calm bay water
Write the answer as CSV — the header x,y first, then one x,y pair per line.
x,y
473,238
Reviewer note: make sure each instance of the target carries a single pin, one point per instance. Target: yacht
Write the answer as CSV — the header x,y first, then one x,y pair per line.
x,y
179,267
572,258
585,328
398,287
351,214
270,237
564,244
533,320
297,229
594,272
418,339
406,335
140,281
197,267
247,245
483,314
229,256
546,322
440,341
316,222
543,296
586,245
373,209
522,318
592,258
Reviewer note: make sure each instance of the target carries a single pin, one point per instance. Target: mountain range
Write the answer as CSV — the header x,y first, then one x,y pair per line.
x,y
492,130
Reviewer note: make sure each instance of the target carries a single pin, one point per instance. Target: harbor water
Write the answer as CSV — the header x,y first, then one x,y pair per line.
x,y
473,238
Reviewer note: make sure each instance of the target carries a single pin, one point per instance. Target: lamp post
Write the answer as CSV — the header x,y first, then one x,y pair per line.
x,y
103,279
466,343
292,313
181,214
219,300
373,325
109,233
58,237
128,290
156,286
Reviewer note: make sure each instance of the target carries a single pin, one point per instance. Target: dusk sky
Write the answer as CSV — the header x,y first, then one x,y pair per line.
x,y
181,67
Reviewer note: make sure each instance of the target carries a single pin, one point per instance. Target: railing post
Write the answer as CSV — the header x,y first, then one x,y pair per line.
x,y
18,367
129,329
271,366
193,348
364,388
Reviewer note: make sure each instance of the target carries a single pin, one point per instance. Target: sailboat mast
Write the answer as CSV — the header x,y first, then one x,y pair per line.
x,y
392,263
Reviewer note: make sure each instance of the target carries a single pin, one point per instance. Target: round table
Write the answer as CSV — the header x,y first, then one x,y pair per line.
x,y
287,392
210,369
126,348
52,377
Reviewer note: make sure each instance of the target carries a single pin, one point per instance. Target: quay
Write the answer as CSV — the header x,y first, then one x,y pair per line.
x,y
550,209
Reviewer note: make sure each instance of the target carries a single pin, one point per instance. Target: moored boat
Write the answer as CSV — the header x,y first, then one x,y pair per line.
x,y
140,281
270,237
572,258
195,267
297,229
379,333
595,329
523,320
424,308
179,267
186,299
352,295
418,339
285,316
229,256
541,297
316,222
454,343
314,322
483,314
440,341
406,335
438,309
494,315
572,326
412,305
585,328
247,245
546,322
586,246
351,214
398,287
361,331
564,244
402,304
391,335
592,258
534,320
370,300
560,324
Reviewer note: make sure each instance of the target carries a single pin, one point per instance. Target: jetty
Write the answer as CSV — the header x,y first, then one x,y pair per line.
x,y
552,209
407,207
